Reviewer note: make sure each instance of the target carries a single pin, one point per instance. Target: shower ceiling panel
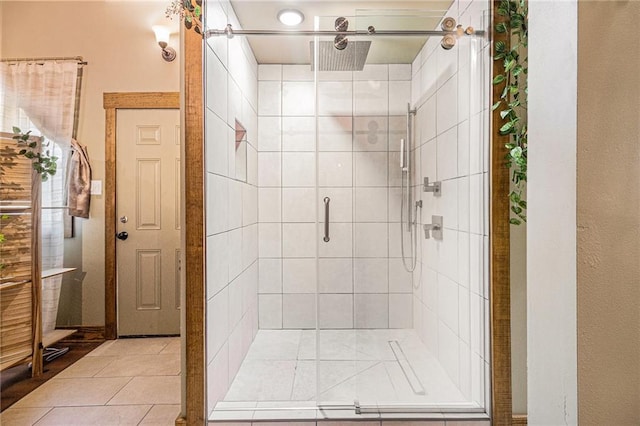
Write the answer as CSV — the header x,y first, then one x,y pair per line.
x,y
262,15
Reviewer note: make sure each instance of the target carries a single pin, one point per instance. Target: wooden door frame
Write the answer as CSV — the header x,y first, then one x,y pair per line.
x,y
112,102
194,410
194,413
499,247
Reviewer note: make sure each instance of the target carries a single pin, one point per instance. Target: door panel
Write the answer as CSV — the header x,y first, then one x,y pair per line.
x,y
148,280
147,205
177,195
148,194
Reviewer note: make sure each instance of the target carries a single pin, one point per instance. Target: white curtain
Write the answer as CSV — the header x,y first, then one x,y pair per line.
x,y
40,96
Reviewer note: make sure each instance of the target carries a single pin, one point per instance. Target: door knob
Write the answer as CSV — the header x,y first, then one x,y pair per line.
x,y
122,235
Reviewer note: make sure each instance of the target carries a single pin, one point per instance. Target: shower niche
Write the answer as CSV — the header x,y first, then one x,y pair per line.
x,y
240,149
343,309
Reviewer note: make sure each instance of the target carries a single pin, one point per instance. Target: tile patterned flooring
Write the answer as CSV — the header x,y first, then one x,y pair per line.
x,y
124,382
137,381
280,371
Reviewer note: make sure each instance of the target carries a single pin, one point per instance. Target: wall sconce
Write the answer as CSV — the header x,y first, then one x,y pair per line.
x,y
163,35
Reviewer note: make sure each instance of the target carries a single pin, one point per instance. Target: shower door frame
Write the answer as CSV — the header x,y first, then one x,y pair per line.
x,y
193,349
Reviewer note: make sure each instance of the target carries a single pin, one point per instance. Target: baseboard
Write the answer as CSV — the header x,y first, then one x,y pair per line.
x,y
519,420
85,334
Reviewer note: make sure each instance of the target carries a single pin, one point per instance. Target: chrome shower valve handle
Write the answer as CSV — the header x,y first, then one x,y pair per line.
x,y
435,187
433,229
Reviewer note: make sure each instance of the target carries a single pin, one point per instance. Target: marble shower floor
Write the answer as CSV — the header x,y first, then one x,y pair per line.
x,y
373,366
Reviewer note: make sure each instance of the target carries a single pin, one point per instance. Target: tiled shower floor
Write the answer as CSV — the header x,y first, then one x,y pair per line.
x,y
279,371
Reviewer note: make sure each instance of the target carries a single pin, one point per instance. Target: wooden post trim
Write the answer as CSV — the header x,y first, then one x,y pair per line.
x,y
194,258
500,292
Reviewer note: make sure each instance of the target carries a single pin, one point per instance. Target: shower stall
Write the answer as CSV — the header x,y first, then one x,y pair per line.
x,y
346,218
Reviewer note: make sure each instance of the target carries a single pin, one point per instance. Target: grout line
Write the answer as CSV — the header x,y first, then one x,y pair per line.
x,y
281,153
103,368
146,414
118,391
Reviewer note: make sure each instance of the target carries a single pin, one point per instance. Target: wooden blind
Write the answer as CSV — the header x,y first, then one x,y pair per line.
x,y
16,255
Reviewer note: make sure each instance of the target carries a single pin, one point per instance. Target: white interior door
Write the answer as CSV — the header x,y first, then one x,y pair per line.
x,y
148,211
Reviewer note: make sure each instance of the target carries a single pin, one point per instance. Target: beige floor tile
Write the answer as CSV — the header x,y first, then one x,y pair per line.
x,y
354,423
230,424
86,367
173,347
123,347
76,392
161,415
100,416
149,390
21,416
142,365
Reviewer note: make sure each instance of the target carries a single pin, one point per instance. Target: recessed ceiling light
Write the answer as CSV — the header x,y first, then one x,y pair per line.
x,y
290,16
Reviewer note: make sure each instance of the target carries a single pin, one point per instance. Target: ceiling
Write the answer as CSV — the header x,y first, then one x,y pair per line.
x,y
383,15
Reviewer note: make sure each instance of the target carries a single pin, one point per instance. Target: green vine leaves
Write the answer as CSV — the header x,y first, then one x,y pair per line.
x,y
189,11
43,163
512,105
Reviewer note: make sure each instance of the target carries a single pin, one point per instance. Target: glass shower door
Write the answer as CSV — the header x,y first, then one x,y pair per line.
x,y
394,334
361,118
336,340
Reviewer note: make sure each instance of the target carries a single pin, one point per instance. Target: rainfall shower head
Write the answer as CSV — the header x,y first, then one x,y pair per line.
x,y
351,58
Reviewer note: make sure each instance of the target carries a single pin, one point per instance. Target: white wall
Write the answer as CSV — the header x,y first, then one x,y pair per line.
x,y
551,226
361,118
231,206
116,39
450,283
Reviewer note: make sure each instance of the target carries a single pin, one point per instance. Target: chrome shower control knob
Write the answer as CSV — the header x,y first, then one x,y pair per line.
x,y
341,24
340,42
448,42
448,24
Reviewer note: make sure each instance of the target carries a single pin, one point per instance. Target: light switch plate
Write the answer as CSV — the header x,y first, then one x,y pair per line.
x,y
96,187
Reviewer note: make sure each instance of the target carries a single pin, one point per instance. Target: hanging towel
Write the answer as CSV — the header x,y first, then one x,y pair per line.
x,y
79,179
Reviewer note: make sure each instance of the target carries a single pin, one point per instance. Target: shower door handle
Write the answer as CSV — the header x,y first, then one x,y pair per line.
x,y
326,238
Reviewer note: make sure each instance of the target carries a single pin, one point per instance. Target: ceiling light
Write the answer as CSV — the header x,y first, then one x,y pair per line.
x,y
290,16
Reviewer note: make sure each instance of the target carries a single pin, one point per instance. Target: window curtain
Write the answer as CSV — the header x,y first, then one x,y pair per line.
x,y
40,96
